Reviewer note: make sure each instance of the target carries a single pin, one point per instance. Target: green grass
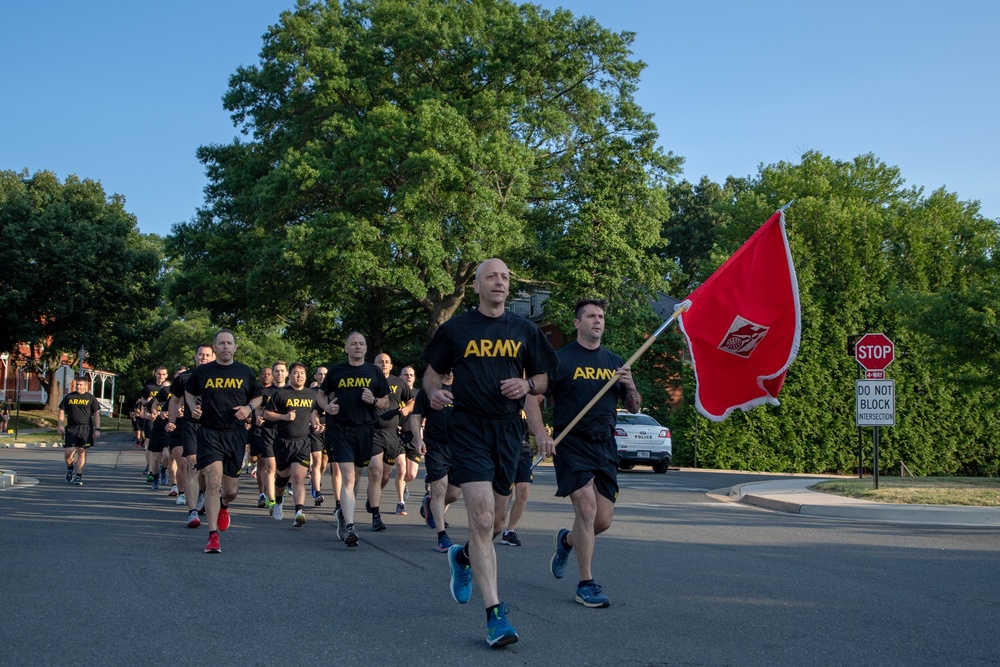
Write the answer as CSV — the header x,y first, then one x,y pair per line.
x,y
975,491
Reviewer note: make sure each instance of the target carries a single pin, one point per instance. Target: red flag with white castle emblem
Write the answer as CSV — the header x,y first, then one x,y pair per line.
x,y
743,325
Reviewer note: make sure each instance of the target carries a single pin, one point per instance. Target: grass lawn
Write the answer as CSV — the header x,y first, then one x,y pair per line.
x,y
977,491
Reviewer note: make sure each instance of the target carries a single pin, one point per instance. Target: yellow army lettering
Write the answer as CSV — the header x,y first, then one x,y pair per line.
x,y
346,383
299,403
223,383
78,401
588,373
492,348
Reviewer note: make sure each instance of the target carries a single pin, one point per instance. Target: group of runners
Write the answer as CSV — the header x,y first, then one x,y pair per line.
x,y
488,372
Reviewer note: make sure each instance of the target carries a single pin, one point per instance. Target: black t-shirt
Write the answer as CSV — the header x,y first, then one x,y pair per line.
x,y
580,376
399,393
159,407
482,351
223,388
347,383
268,393
435,421
79,408
148,392
177,386
301,402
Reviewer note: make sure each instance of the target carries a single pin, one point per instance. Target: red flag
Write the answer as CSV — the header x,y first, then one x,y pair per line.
x,y
743,325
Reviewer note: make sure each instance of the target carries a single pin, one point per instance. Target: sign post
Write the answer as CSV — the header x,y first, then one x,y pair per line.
x,y
875,396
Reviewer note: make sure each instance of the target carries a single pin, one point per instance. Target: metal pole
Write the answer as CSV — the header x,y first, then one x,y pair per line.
x,y
861,441
17,397
875,447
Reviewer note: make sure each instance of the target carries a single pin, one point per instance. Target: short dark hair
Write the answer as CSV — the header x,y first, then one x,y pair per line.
x,y
222,331
298,364
583,303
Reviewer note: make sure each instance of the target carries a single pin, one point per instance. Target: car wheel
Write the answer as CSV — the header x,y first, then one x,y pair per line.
x,y
625,466
660,468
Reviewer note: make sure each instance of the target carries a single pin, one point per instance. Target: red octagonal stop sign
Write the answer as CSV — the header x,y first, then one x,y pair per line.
x,y
874,352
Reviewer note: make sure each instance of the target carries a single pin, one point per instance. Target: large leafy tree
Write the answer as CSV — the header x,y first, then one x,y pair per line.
x,y
79,273
392,145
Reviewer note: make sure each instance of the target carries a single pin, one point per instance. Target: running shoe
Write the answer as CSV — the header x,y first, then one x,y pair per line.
x,y
461,576
173,491
193,520
163,475
156,484
288,490
425,511
78,481
223,519
262,501
510,539
377,524
314,494
277,513
444,543
213,544
592,595
352,538
200,507
300,519
318,499
401,509
69,475
499,632
181,499
558,563
150,477
341,525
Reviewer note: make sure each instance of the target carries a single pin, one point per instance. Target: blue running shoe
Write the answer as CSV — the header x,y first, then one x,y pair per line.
x,y
156,484
559,558
592,595
444,543
498,631
461,576
425,511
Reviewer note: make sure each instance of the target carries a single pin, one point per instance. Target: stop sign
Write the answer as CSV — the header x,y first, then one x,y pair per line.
x,y
874,352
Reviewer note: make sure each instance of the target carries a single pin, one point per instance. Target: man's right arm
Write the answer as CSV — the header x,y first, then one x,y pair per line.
x,y
433,383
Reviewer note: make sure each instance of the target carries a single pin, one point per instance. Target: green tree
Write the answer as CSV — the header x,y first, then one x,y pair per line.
x,y
394,144
80,274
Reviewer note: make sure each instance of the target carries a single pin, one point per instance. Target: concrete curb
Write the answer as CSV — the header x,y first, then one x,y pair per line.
x,y
7,478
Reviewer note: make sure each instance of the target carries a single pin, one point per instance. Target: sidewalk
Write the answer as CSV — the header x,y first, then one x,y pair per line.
x,y
792,495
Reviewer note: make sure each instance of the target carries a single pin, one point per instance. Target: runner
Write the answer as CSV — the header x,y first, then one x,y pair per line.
x,y
430,436
497,358
157,411
146,417
351,395
408,466
229,394
292,410
79,421
388,450
586,459
267,434
265,493
522,487
320,459
183,427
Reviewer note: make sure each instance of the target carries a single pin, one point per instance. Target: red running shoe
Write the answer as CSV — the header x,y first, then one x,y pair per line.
x,y
193,520
223,519
213,544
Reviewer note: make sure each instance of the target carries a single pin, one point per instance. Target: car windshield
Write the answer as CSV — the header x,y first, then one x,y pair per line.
x,y
639,420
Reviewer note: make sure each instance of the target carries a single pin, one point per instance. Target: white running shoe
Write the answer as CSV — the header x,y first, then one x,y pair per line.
x,y
181,500
277,512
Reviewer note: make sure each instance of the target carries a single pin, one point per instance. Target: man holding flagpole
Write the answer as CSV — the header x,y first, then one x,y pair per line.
x,y
586,457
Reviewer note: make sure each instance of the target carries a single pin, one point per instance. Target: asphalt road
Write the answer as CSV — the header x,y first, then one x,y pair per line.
x,y
108,573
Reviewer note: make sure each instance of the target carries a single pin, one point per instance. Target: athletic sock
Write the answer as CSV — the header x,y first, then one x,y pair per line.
x,y
442,533
462,557
223,505
298,508
489,612
562,540
279,499
375,510
338,506
584,582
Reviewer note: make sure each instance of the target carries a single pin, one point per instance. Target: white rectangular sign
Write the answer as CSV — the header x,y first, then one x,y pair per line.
x,y
876,402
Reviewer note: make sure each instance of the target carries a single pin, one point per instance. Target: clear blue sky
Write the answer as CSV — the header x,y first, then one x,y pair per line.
x,y
124,92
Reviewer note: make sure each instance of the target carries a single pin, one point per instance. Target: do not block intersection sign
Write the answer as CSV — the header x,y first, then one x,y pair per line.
x,y
876,402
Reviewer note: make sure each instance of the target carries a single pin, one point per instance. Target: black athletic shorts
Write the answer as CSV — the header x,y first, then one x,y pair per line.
x,y
437,460
485,449
524,472
347,444
409,447
186,436
221,445
157,440
316,442
262,442
287,452
386,442
580,459
147,427
78,436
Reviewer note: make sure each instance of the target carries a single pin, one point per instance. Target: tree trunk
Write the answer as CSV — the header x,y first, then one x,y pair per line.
x,y
55,391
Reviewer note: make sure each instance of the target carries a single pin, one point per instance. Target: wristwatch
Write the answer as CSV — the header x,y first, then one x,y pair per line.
x,y
531,385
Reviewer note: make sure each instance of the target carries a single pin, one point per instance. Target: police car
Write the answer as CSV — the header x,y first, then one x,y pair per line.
x,y
641,440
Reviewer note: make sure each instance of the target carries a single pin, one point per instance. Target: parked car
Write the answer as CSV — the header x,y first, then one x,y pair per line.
x,y
642,441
